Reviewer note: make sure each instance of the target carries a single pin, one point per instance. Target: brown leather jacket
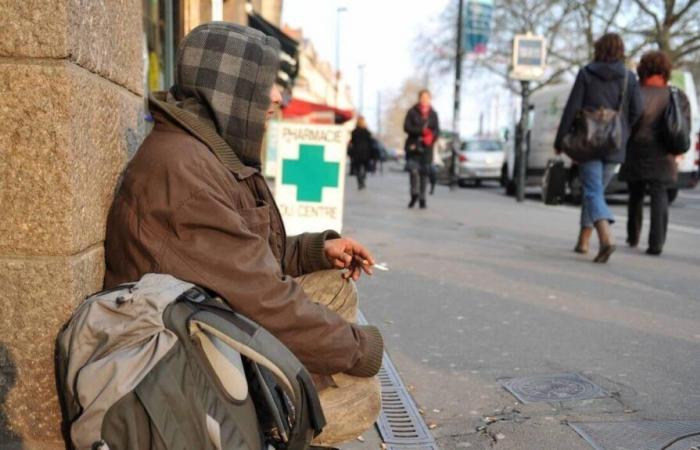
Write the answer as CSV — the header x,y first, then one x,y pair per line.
x,y
189,208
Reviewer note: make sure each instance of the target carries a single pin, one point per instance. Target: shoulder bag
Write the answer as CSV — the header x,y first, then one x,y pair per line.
x,y
597,133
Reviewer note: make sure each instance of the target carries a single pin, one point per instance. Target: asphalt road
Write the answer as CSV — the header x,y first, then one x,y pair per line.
x,y
482,289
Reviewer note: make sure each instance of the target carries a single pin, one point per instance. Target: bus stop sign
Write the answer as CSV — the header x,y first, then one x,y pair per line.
x,y
529,57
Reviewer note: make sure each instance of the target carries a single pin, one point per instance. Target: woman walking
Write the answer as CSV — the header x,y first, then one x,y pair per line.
x,y
422,126
604,83
360,151
650,166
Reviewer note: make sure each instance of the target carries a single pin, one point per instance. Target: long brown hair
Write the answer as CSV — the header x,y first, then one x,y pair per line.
x,y
609,48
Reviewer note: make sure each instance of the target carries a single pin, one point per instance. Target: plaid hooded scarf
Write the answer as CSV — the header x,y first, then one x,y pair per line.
x,y
223,75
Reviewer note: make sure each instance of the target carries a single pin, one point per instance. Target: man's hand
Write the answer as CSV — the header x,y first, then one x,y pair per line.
x,y
347,254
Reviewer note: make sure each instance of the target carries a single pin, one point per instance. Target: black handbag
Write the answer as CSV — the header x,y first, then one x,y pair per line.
x,y
676,125
554,182
597,133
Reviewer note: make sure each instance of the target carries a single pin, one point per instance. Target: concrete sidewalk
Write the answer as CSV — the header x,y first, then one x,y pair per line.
x,y
481,289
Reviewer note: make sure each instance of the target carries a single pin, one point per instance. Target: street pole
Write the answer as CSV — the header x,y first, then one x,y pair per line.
x,y
169,56
361,100
379,113
457,94
521,153
338,10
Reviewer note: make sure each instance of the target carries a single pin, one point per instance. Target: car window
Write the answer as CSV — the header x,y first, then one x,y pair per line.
x,y
482,146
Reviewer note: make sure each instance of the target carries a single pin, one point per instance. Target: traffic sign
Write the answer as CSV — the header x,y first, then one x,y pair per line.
x,y
477,26
529,57
310,178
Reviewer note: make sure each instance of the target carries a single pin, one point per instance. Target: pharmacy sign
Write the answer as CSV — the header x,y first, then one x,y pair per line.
x,y
310,176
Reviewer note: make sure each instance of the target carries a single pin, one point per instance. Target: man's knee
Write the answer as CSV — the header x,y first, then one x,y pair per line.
x,y
329,288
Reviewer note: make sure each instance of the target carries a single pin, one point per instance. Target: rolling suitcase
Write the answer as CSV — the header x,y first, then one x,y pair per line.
x,y
554,182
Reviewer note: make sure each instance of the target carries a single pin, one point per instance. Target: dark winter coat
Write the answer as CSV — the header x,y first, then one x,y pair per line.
x,y
598,85
647,156
413,125
360,150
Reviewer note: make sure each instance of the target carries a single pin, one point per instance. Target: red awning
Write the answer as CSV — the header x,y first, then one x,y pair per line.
x,y
301,108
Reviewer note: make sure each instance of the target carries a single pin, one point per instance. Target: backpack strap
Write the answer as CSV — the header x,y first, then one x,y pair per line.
x,y
624,90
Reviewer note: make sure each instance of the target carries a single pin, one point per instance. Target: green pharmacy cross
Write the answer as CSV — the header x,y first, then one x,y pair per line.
x,y
310,173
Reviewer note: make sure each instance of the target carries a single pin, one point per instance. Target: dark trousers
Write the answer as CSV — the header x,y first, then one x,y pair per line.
x,y
658,192
361,171
418,176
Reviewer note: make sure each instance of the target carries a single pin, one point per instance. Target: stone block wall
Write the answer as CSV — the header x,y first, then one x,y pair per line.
x,y
71,111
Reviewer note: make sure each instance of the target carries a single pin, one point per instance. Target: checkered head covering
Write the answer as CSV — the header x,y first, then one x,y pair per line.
x,y
223,75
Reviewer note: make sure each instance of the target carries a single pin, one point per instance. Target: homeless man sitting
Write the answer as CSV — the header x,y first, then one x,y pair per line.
x,y
212,221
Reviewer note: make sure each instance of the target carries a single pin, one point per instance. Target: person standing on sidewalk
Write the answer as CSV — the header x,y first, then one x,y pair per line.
x,y
649,165
360,151
601,84
422,126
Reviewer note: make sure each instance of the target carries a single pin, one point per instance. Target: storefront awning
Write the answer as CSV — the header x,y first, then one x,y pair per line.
x,y
301,108
289,49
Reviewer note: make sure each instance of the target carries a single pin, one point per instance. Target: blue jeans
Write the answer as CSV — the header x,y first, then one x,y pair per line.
x,y
595,176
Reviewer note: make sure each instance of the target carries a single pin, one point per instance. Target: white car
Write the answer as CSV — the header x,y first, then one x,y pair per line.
x,y
478,160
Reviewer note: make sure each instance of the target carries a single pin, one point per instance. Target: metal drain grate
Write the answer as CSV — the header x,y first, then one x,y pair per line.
x,y
640,435
553,388
399,423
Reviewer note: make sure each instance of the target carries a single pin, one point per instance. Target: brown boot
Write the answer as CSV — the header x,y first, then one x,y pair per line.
x,y
584,236
607,247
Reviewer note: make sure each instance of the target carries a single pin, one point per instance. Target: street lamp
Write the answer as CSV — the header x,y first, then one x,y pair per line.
x,y
340,9
361,99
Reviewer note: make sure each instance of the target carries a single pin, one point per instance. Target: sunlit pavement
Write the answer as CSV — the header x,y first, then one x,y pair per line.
x,y
481,289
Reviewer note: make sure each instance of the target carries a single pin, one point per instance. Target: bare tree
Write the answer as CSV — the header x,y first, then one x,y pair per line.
x,y
566,25
669,25
571,28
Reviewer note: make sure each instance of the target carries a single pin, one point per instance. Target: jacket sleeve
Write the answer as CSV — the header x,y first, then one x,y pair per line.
x,y
304,253
211,245
413,124
436,131
636,105
573,106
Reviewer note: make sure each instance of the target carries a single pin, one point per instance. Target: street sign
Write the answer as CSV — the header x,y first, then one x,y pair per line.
x,y
529,57
477,26
310,178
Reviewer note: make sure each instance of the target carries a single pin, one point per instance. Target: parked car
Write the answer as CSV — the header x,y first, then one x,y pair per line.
x,y
478,160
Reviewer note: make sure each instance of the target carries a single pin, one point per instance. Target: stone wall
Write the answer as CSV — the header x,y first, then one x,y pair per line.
x,y
71,110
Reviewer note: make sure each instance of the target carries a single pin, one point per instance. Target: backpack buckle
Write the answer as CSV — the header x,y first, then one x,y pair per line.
x,y
194,295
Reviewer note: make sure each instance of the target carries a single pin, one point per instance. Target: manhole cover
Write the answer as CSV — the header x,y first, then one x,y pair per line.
x,y
553,388
641,435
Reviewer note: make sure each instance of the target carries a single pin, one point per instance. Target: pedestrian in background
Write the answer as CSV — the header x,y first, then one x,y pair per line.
x,y
360,151
601,84
650,165
422,126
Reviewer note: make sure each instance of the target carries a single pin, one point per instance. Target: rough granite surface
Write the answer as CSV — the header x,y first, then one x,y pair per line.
x,y
65,138
103,36
37,296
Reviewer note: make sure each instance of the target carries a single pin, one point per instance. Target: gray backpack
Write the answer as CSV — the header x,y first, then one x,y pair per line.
x,y
162,365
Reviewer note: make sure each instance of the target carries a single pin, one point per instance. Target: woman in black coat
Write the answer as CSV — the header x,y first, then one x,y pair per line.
x,y
360,151
423,129
601,84
649,166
